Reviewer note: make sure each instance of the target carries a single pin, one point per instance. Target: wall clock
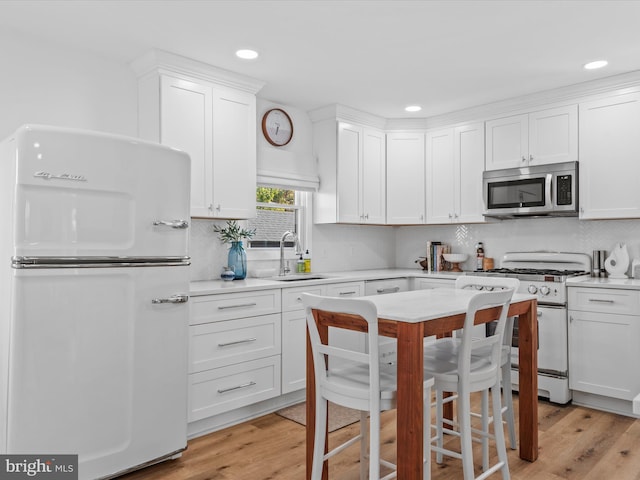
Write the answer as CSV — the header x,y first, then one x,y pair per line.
x,y
277,127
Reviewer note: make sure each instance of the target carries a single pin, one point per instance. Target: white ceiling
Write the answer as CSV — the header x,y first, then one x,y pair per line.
x,y
374,55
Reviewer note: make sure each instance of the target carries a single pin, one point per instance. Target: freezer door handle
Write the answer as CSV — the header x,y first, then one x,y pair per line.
x,y
172,223
172,299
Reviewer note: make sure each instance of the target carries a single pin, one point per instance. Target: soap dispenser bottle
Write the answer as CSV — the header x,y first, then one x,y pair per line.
x,y
307,262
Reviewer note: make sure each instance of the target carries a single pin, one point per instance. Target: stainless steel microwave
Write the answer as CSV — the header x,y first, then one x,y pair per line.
x,y
543,190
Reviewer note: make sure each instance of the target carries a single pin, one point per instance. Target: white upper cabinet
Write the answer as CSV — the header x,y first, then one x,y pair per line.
x,y
374,181
507,142
609,153
406,178
234,155
455,161
441,176
203,114
537,138
351,163
185,123
469,155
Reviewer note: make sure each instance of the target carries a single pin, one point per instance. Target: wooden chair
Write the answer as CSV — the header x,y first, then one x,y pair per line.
x,y
360,382
463,366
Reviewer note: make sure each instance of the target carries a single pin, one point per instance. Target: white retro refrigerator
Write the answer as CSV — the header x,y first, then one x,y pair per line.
x,y
93,298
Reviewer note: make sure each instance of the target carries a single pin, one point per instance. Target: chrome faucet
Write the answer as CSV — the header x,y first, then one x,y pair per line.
x,y
284,268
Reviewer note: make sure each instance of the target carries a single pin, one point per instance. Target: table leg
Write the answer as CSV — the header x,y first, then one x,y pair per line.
x,y
528,396
410,409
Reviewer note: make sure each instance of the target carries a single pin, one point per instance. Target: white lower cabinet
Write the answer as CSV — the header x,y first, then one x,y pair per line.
x,y
234,351
294,337
604,332
220,390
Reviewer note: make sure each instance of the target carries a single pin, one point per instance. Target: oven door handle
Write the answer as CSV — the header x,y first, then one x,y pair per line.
x,y
555,307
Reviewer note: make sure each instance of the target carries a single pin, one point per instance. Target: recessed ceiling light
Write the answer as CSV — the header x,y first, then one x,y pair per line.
x,y
413,108
595,64
246,54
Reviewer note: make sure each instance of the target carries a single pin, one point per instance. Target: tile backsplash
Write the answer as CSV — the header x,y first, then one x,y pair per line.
x,y
360,247
532,234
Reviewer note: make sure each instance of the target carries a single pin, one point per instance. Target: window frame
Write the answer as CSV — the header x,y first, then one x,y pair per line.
x,y
302,204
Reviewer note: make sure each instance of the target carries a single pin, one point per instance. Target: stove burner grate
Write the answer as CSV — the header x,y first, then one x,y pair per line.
x,y
537,271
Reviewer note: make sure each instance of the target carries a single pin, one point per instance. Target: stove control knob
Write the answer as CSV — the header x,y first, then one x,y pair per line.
x,y
532,289
544,290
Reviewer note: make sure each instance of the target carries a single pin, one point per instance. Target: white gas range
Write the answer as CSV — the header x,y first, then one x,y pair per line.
x,y
544,274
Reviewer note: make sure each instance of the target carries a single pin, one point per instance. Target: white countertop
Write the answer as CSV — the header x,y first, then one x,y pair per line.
x,y
212,287
420,305
599,282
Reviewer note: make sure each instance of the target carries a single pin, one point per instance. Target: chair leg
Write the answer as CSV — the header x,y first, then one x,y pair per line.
x,y
498,431
485,428
439,432
464,421
364,446
318,441
374,445
508,401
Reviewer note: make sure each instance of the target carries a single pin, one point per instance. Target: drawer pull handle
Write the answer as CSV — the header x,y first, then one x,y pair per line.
x,y
180,224
600,300
237,342
224,307
353,292
388,290
238,387
171,299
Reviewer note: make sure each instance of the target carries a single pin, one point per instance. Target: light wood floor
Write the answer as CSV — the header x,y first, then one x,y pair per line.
x,y
575,443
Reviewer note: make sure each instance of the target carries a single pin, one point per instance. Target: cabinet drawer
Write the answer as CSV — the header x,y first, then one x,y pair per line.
x,y
217,344
346,289
429,283
226,306
390,285
223,389
605,300
292,300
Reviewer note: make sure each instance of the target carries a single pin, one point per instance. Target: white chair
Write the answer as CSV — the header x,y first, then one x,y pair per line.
x,y
461,369
488,284
361,383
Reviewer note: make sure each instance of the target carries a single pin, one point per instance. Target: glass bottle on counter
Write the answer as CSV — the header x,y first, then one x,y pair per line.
x,y
479,256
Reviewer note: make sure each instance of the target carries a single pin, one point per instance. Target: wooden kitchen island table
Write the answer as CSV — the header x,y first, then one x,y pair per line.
x,y
411,316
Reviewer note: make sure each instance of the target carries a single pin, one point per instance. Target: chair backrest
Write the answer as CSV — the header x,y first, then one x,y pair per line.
x,y
360,310
493,341
490,284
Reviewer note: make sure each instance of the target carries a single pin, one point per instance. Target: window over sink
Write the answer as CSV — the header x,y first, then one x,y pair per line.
x,y
279,210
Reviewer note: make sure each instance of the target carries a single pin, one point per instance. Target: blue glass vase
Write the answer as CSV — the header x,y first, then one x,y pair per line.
x,y
238,260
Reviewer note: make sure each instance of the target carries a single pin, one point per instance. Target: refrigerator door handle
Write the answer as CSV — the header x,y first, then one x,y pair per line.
x,y
172,299
172,223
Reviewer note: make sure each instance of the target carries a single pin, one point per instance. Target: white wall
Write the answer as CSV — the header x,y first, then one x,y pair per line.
x,y
45,83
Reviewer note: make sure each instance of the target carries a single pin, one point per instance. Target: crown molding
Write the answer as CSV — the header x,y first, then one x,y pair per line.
x,y
347,114
616,84
165,62
613,85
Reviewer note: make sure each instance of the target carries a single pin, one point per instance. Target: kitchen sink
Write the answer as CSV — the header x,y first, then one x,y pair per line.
x,y
294,277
